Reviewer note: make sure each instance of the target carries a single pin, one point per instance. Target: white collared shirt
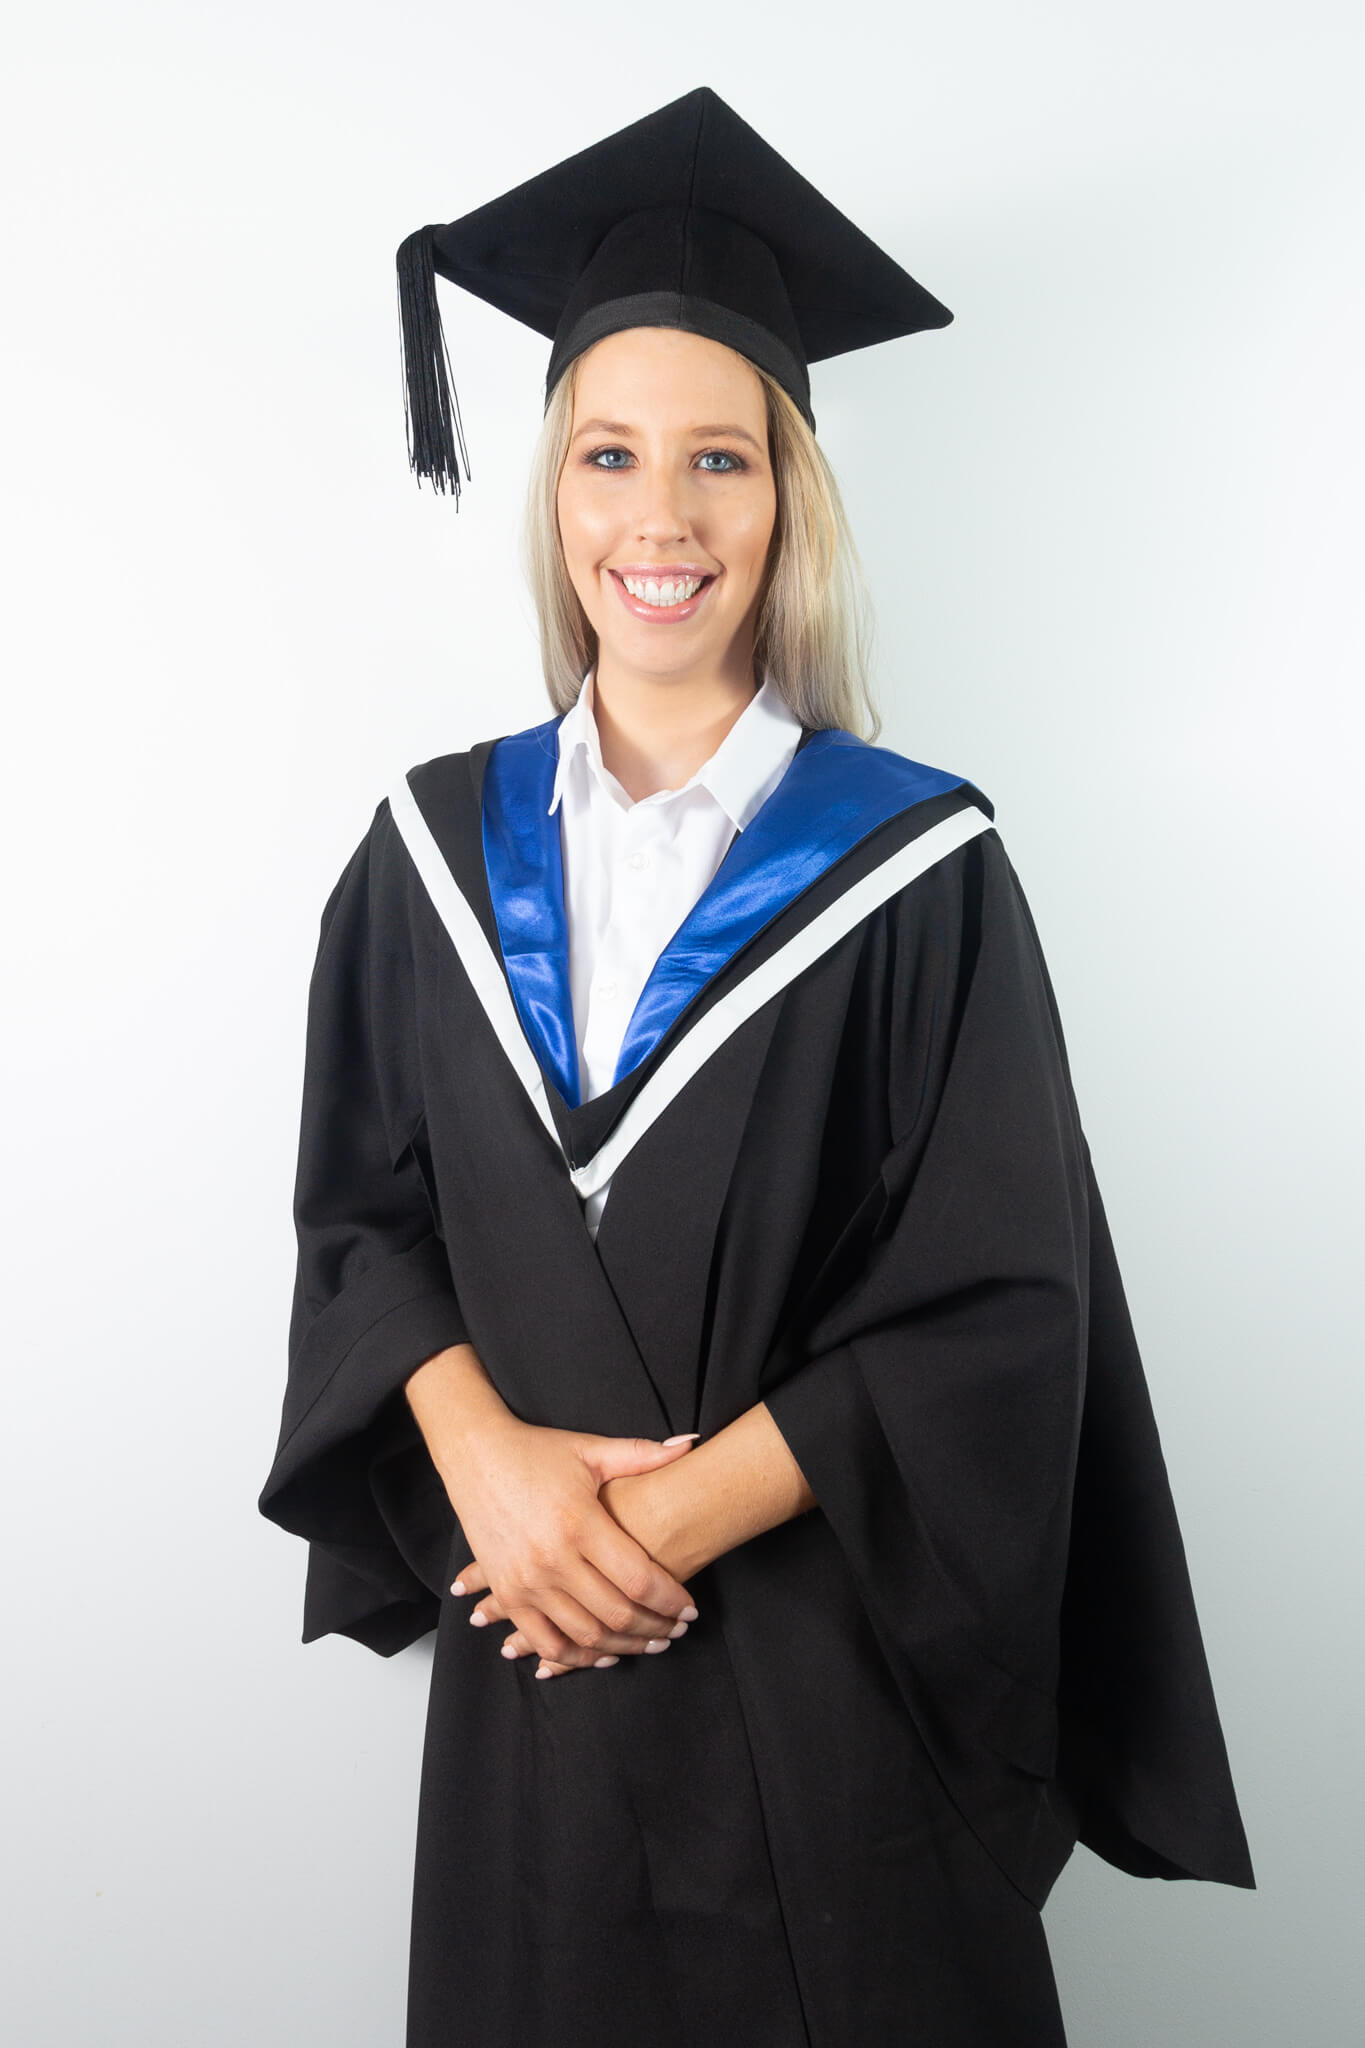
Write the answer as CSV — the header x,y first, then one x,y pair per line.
x,y
633,871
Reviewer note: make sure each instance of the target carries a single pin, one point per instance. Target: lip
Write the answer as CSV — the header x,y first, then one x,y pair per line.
x,y
662,614
660,571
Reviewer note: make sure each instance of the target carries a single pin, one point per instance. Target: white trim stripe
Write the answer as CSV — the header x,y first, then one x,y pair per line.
x,y
477,957
710,1031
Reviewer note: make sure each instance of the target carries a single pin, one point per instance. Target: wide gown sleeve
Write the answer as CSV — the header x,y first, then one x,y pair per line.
x,y
373,1295
974,1421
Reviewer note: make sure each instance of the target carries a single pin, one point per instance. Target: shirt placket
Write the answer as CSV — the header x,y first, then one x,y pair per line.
x,y
628,948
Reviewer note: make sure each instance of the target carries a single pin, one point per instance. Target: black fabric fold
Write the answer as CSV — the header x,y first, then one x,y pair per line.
x,y
974,1422
374,1297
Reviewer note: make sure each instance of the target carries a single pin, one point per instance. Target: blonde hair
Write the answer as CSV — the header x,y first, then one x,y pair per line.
x,y
814,631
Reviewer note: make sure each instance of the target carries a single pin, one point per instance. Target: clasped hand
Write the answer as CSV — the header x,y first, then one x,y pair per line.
x,y
562,1543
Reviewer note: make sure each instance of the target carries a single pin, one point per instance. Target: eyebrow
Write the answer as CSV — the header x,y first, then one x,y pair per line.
x,y
620,427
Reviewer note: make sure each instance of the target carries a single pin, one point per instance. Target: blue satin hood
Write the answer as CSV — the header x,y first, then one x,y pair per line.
x,y
837,789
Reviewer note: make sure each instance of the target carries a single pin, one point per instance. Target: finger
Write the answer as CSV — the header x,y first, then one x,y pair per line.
x,y
548,1670
615,1457
545,1638
588,1636
561,1632
517,1646
627,1565
610,1649
472,1579
547,1667
624,1625
581,1621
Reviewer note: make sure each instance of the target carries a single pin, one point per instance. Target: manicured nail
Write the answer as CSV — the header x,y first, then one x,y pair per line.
x,y
544,1671
679,1629
601,1663
690,1438
477,1620
687,1614
508,1650
458,1586
655,1644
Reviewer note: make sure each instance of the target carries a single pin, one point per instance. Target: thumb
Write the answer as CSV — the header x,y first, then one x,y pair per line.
x,y
613,1457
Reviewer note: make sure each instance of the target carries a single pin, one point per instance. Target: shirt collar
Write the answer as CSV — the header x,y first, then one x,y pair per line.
x,y
741,774
577,734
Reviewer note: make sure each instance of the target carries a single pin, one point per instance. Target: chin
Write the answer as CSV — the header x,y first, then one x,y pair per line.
x,y
655,652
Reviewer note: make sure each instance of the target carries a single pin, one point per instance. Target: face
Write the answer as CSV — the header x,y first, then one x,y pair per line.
x,y
667,503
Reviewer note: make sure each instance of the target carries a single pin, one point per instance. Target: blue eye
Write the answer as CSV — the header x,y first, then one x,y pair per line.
x,y
712,461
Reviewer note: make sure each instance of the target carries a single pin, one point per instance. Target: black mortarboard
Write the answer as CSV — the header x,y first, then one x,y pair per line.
x,y
684,219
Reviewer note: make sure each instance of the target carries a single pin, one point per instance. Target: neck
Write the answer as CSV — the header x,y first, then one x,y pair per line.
x,y
656,731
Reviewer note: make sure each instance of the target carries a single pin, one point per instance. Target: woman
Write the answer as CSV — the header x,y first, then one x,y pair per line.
x,y
698,1246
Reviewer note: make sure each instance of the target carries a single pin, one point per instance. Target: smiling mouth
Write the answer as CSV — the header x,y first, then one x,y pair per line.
x,y
661,597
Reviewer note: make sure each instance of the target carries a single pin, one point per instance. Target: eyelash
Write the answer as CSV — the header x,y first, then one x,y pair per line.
x,y
613,448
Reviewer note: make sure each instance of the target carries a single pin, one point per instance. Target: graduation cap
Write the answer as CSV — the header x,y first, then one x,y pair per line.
x,y
687,218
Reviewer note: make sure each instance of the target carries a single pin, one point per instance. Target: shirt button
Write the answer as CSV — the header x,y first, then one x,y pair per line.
x,y
607,989
639,860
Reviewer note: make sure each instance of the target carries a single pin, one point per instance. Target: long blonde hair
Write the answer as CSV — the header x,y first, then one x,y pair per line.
x,y
814,632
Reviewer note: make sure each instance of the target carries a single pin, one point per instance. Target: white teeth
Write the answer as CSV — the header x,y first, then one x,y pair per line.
x,y
666,593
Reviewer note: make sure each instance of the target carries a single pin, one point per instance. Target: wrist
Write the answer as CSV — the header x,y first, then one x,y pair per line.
x,y
654,1508
457,1408
462,1446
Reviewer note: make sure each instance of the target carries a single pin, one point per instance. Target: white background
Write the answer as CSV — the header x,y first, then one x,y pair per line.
x,y
1112,519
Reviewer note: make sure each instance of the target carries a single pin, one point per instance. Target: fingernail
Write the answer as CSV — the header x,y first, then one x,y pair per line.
x,y
458,1586
601,1663
477,1620
507,1650
544,1672
655,1644
690,1438
679,1629
687,1614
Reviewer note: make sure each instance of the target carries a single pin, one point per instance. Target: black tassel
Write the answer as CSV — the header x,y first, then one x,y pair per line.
x,y
430,407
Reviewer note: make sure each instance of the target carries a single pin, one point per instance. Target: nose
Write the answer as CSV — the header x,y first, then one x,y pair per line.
x,y
661,515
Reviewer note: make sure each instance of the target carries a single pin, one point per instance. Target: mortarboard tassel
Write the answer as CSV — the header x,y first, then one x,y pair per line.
x,y
430,406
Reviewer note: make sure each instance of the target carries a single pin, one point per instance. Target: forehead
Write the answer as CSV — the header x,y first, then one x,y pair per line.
x,y
668,371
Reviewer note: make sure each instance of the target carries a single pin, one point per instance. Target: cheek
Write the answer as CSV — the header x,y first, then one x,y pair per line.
x,y
567,513
582,524
754,535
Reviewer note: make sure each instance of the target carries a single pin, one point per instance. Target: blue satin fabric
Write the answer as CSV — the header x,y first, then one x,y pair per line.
x,y
836,790
525,866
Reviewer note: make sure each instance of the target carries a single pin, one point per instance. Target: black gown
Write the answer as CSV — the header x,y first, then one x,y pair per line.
x,y
848,1178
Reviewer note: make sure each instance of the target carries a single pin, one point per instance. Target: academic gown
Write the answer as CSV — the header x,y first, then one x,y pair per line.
x,y
847,1177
